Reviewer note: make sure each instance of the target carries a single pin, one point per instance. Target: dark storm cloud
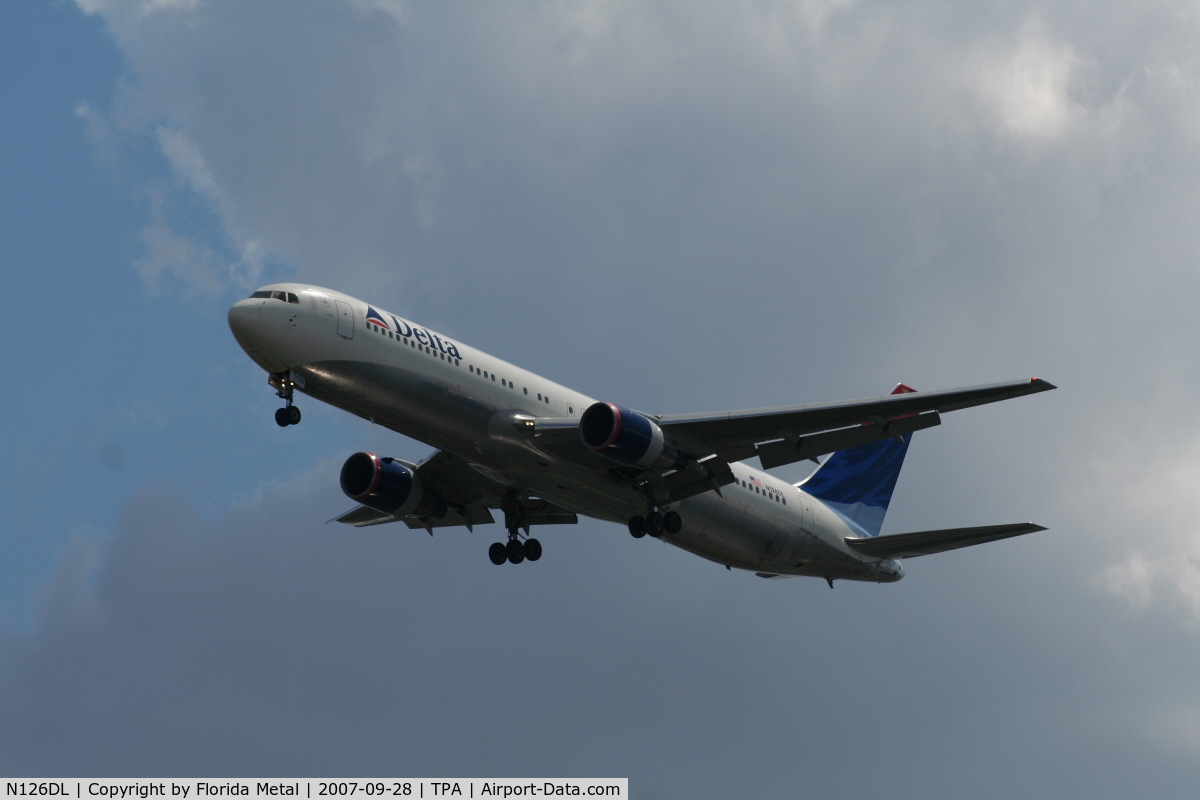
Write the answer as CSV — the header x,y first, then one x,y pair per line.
x,y
265,643
720,206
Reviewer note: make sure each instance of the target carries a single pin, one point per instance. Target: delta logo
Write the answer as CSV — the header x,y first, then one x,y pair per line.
x,y
373,318
423,337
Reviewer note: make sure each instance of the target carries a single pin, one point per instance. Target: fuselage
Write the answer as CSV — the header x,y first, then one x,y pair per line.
x,y
440,391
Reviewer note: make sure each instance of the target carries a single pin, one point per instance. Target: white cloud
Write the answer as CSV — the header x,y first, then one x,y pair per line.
x,y
1029,88
167,253
1157,510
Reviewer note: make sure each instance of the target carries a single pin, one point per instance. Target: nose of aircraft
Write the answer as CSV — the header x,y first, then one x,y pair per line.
x,y
243,319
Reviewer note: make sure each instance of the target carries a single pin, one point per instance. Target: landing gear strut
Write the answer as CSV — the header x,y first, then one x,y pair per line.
x,y
284,389
514,550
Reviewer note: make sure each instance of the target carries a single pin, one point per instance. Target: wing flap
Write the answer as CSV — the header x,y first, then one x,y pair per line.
x,y
469,516
361,517
685,483
776,454
923,543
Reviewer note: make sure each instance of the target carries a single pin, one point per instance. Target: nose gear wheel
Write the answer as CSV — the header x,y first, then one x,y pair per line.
x,y
285,389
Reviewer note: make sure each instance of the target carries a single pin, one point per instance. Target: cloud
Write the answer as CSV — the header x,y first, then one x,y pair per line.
x,y
721,206
262,641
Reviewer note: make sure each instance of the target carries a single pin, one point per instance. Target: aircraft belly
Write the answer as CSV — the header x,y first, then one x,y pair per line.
x,y
738,534
417,405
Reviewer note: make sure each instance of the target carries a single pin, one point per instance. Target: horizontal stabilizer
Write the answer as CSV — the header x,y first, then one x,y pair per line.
x,y
923,543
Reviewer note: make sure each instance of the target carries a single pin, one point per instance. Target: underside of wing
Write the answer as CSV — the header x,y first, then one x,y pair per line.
x,y
469,516
923,543
468,496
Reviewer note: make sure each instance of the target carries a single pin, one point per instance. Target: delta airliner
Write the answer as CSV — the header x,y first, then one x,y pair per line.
x,y
542,454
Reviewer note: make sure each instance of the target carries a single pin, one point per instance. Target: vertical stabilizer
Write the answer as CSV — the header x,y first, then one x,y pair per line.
x,y
858,482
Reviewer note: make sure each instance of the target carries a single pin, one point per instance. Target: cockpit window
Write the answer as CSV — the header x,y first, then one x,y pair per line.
x,y
287,297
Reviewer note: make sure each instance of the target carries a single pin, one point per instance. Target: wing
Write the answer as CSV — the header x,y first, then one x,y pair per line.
x,y
783,435
923,543
469,495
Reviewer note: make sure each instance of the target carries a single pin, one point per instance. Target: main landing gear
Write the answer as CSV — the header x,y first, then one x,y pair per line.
x,y
515,550
284,389
655,524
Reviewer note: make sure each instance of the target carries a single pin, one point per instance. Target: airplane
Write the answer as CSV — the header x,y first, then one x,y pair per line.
x,y
543,454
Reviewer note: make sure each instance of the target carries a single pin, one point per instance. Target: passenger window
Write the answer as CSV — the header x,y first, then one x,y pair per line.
x,y
526,390
539,395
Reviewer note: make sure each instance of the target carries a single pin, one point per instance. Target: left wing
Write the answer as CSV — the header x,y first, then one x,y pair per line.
x,y
923,543
468,494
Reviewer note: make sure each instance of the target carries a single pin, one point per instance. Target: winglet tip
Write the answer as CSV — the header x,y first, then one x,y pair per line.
x,y
1042,385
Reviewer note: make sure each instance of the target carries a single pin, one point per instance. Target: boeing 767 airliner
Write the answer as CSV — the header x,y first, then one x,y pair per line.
x,y
542,454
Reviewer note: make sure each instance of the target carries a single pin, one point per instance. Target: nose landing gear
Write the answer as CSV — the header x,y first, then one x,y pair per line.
x,y
284,389
289,415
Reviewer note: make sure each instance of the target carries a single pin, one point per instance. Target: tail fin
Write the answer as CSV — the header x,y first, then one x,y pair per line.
x,y
858,482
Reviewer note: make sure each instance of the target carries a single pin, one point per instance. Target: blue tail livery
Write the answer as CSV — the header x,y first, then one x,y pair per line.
x,y
858,482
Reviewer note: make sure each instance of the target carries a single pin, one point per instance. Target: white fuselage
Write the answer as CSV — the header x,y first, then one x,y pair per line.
x,y
454,397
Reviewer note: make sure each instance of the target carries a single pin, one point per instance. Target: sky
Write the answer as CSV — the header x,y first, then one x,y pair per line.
x,y
679,207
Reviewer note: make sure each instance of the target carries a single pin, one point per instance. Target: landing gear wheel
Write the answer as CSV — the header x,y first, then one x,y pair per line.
x,y
672,522
637,527
293,415
282,417
498,553
654,524
533,549
516,553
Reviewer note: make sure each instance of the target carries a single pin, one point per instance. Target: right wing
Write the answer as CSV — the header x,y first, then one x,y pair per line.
x,y
811,430
923,543
780,435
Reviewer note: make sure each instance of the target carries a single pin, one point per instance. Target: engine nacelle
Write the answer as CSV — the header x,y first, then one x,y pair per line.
x,y
627,437
387,485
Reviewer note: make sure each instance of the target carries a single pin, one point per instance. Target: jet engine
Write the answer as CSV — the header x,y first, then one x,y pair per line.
x,y
388,485
627,437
